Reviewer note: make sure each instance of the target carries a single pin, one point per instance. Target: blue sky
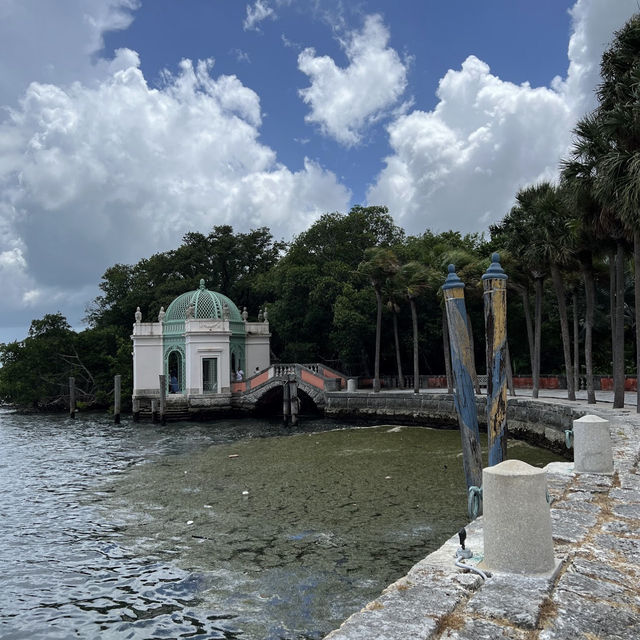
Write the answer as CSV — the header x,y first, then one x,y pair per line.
x,y
521,41
126,123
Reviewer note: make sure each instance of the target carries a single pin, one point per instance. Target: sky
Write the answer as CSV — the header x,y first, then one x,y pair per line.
x,y
125,124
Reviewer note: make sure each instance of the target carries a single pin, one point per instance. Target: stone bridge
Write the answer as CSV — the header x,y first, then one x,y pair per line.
x,y
314,380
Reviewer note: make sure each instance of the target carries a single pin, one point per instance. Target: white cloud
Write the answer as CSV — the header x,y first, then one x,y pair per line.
x,y
460,165
594,24
39,41
344,101
256,14
94,175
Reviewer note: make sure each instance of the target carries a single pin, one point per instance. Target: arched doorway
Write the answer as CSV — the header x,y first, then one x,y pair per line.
x,y
175,371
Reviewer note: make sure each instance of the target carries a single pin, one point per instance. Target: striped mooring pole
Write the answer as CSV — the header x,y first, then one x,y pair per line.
x,y
494,282
462,364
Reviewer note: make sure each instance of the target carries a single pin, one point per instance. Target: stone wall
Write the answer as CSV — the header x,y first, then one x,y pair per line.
x,y
536,421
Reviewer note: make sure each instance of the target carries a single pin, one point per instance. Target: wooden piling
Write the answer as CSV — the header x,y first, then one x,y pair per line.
x,y
117,387
286,404
136,409
163,398
154,409
72,397
293,395
495,319
461,362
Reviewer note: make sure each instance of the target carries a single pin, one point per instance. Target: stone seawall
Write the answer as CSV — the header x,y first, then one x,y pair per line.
x,y
541,422
596,534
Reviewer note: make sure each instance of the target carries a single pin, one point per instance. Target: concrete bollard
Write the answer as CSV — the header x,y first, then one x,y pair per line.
x,y
591,445
352,385
517,519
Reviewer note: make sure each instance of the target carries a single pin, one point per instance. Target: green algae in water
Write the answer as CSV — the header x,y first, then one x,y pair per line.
x,y
293,534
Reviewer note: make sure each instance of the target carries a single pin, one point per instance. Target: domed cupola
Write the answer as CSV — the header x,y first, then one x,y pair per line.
x,y
205,304
202,304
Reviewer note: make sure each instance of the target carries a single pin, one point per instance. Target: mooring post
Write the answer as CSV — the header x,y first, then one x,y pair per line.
x,y
293,394
154,409
136,409
494,282
72,397
286,403
117,386
163,397
461,363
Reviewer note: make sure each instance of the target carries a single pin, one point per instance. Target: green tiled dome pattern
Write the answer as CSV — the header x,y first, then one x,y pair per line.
x,y
207,304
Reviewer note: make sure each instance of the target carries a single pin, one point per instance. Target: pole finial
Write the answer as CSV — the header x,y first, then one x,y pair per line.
x,y
495,270
452,280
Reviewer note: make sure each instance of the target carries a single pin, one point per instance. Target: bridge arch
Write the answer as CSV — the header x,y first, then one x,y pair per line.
x,y
269,402
265,388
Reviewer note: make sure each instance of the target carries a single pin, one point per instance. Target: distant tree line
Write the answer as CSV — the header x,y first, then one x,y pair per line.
x,y
354,291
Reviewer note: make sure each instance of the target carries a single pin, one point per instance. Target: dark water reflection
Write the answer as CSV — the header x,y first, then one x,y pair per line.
x,y
142,531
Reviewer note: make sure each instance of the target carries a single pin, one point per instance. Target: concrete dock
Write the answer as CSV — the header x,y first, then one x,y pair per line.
x,y
595,593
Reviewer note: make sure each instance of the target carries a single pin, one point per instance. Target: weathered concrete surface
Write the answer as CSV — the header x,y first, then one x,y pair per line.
x,y
594,596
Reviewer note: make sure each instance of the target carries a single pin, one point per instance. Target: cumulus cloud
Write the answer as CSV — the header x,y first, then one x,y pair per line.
x,y
460,165
93,175
594,24
344,101
256,14
41,42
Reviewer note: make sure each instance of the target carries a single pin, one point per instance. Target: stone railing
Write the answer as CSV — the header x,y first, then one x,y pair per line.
x,y
257,328
147,329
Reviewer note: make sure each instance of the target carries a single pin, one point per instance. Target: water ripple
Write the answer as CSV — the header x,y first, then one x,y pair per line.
x,y
144,532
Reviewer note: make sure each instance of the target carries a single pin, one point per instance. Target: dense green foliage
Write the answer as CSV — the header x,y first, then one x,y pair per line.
x,y
355,292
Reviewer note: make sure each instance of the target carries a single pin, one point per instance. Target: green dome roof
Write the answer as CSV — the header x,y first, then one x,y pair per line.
x,y
207,304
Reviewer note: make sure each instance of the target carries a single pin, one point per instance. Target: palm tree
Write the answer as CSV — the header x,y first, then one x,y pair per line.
x,y
379,265
414,278
536,230
618,181
590,225
594,197
554,245
394,307
514,234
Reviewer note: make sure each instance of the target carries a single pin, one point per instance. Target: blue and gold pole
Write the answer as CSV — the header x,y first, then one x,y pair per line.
x,y
495,321
462,364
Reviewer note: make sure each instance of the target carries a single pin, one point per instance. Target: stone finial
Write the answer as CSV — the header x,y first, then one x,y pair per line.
x,y
226,312
162,314
245,314
138,315
190,311
260,316
265,314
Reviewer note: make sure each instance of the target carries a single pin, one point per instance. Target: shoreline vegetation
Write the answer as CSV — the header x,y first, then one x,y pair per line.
x,y
357,293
